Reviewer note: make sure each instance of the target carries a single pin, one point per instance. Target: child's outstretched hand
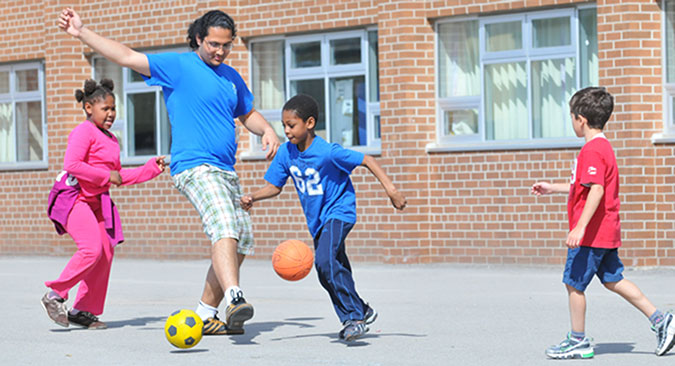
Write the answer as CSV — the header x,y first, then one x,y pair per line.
x,y
398,200
246,202
160,162
115,177
541,188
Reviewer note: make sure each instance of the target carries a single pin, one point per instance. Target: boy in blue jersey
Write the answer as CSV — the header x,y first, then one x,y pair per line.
x,y
321,172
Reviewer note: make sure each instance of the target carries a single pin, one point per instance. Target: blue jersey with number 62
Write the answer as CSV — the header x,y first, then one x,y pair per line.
x,y
321,177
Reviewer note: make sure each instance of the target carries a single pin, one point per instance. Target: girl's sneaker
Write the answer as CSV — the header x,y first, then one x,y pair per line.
x,y
571,348
665,334
87,320
56,309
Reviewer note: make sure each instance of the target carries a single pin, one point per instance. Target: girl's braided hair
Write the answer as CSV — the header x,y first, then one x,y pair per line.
x,y
93,92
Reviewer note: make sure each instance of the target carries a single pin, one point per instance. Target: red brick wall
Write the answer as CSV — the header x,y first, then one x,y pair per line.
x,y
630,66
470,207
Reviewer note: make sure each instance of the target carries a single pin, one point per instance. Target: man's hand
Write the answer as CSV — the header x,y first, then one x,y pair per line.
x,y
270,143
70,22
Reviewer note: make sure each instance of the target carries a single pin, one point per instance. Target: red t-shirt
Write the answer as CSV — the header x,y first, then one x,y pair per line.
x,y
596,164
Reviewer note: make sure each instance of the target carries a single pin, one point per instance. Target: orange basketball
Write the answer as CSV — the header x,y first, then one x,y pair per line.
x,y
292,260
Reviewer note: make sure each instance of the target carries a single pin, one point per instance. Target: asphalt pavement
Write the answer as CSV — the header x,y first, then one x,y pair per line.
x,y
428,315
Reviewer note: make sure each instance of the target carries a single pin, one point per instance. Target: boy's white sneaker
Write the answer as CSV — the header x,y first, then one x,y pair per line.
x,y
571,348
665,334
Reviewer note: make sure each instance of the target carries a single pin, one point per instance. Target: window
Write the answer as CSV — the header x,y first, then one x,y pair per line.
x,y
506,80
338,69
142,124
268,82
669,80
22,127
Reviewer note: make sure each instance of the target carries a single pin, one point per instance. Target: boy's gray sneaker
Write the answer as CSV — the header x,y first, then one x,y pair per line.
x,y
665,334
370,316
56,310
571,348
353,329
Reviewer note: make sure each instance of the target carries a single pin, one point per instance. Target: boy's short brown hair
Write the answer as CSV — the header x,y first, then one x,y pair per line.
x,y
593,103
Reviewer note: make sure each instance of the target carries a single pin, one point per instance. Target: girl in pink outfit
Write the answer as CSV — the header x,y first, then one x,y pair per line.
x,y
92,164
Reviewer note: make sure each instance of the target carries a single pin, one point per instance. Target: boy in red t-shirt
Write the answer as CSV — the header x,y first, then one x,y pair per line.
x,y
595,230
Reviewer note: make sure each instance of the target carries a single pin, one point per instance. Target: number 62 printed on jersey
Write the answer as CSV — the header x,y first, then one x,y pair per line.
x,y
308,181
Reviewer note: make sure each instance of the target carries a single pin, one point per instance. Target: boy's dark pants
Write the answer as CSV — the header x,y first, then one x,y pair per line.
x,y
335,273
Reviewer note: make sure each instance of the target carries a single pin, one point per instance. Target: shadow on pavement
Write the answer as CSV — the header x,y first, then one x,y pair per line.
x,y
255,329
186,351
360,342
136,322
614,348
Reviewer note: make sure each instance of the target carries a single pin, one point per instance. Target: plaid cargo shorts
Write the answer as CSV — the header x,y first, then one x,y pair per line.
x,y
215,193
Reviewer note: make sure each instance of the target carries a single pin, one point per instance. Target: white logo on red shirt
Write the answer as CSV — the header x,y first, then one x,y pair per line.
x,y
592,170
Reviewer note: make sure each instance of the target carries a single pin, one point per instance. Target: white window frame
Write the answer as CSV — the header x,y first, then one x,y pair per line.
x,y
668,133
325,72
139,87
528,54
373,107
13,97
501,55
121,121
255,149
563,51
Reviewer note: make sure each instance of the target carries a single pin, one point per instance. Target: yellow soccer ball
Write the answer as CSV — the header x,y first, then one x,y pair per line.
x,y
183,328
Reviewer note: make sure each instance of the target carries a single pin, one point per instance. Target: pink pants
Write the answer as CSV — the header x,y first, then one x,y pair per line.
x,y
90,265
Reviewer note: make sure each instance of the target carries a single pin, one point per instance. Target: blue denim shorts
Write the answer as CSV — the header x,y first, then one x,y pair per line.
x,y
585,262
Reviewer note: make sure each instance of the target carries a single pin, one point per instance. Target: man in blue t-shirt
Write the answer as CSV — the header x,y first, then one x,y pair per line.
x,y
203,97
321,172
